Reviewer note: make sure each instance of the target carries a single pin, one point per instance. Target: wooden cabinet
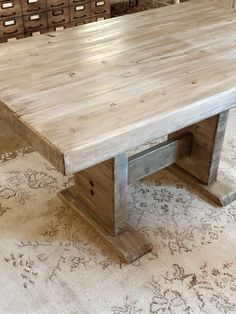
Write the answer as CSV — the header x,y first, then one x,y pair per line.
x,y
100,7
23,18
35,22
56,4
80,11
33,6
11,27
58,16
10,8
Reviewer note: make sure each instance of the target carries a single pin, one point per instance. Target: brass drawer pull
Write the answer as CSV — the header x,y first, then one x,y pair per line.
x,y
11,33
56,5
6,15
34,27
81,17
31,10
57,12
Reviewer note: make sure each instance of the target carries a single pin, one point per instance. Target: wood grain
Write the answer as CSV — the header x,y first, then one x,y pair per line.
x,y
102,191
90,93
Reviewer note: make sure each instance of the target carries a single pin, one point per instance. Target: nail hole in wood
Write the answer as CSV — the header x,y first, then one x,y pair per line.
x,y
92,192
91,183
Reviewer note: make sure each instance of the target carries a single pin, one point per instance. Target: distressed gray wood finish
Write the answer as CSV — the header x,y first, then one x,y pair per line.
x,y
208,137
159,157
102,190
86,94
200,169
129,245
219,192
99,196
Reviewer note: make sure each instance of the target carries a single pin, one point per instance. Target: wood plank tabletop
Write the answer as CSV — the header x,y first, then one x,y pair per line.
x,y
86,94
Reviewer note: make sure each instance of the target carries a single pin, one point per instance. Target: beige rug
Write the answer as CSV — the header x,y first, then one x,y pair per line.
x,y
51,262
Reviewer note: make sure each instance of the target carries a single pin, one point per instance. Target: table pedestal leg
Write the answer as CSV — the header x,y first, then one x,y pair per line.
x,y
99,197
200,169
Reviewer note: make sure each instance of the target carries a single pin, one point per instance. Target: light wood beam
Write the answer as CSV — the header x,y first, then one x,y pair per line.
x,y
159,157
208,138
200,169
99,197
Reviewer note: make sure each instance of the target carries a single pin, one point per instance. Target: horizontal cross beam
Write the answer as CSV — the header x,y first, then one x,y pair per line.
x,y
159,157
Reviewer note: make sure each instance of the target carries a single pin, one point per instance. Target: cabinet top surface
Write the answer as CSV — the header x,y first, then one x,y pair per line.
x,y
92,92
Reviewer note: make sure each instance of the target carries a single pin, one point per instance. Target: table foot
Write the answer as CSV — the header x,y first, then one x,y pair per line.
x,y
129,245
219,192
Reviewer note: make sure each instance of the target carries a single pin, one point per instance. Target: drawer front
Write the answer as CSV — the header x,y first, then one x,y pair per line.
x,y
11,8
32,6
77,2
99,18
55,4
100,7
80,22
35,22
58,16
7,38
80,11
11,27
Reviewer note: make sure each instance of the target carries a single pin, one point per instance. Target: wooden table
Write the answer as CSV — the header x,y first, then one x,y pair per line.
x,y
84,97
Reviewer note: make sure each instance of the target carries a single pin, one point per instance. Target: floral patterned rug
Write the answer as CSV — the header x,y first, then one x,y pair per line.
x,y
51,262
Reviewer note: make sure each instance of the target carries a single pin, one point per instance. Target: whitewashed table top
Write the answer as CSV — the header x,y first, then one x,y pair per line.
x,y
86,94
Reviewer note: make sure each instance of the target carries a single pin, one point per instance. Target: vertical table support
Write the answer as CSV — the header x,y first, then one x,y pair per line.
x,y
99,196
201,168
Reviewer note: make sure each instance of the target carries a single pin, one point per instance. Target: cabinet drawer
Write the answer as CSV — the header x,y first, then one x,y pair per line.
x,y
80,11
36,32
35,22
80,22
10,8
32,6
7,38
11,27
58,16
100,7
55,4
59,27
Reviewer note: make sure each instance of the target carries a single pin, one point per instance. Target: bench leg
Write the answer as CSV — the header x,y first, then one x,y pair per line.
x,y
99,196
201,168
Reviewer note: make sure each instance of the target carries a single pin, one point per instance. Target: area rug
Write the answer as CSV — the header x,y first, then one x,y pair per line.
x,y
52,262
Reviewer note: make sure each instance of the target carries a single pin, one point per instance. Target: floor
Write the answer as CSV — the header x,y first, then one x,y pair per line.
x,y
52,262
